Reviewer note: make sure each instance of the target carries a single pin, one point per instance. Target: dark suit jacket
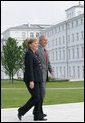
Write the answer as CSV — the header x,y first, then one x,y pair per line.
x,y
33,68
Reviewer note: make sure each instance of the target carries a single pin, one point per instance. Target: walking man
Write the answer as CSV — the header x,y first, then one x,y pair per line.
x,y
46,66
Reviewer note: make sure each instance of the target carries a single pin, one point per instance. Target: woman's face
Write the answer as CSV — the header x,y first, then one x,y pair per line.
x,y
34,46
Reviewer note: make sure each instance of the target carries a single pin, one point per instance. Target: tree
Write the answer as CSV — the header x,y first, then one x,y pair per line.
x,y
11,54
24,49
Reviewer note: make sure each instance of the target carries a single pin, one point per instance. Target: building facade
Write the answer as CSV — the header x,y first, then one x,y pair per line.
x,y
65,43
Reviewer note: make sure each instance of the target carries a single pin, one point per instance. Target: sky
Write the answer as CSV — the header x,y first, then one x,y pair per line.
x,y
15,13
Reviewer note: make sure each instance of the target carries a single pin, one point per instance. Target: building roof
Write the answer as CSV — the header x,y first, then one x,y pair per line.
x,y
78,6
66,21
29,26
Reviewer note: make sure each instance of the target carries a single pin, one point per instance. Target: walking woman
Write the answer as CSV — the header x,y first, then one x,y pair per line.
x,y
33,78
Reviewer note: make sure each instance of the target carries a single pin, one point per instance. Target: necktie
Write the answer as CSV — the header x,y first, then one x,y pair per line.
x,y
45,55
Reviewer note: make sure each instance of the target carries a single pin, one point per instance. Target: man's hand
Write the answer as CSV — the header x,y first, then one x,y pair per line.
x,y
52,74
31,85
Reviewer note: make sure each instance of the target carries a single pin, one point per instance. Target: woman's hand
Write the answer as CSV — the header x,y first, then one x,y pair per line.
x,y
31,85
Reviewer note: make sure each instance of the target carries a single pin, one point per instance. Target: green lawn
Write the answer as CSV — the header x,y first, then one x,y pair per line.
x,y
18,97
21,84
17,84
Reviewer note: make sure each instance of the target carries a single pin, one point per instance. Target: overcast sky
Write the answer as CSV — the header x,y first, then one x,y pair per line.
x,y
14,13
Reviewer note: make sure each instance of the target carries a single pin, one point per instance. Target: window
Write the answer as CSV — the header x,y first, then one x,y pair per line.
x,y
69,38
47,34
52,32
77,36
56,41
60,54
64,72
59,28
72,37
37,34
69,71
76,22
68,25
77,52
23,35
81,20
63,54
61,71
56,30
82,52
57,72
52,56
60,40
32,34
78,72
53,43
69,53
63,40
62,27
73,52
72,14
56,55
83,71
73,71
72,24
82,35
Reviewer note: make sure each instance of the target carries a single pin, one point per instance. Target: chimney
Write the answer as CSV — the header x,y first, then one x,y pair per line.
x,y
28,24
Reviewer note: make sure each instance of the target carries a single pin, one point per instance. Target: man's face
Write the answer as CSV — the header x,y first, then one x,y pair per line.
x,y
44,41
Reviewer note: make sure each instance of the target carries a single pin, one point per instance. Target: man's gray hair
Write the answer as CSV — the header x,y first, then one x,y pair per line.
x,y
40,38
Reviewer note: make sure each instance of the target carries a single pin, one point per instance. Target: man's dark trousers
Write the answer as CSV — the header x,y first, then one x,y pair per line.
x,y
43,91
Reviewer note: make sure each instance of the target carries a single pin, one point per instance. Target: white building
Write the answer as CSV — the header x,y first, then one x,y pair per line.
x,y
21,33
65,43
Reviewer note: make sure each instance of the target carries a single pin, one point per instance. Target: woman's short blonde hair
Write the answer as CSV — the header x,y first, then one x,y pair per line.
x,y
30,41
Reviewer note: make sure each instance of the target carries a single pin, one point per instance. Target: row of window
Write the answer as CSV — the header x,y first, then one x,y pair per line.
x,y
76,52
70,39
56,42
75,37
62,27
73,53
32,34
73,72
75,23
70,15
76,70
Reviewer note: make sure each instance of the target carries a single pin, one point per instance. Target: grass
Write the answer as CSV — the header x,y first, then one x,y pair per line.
x,y
21,84
65,84
64,96
17,98
11,98
17,84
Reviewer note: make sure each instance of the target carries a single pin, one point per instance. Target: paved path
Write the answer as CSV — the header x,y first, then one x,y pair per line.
x,y
71,112
46,88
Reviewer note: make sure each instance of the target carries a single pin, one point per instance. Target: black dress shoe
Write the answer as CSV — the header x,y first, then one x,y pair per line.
x,y
41,119
44,115
19,116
